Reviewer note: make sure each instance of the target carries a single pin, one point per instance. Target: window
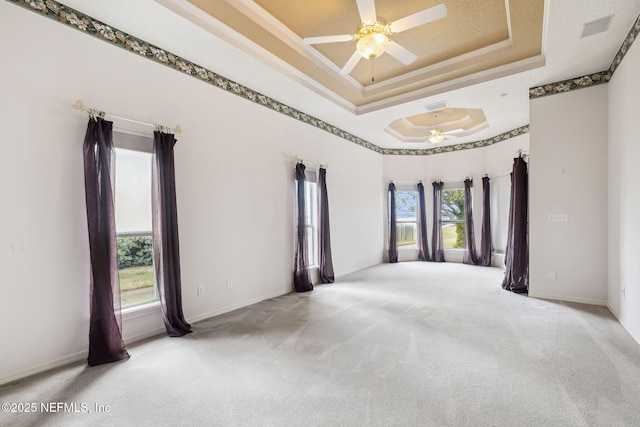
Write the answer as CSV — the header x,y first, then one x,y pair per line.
x,y
133,219
311,216
453,218
406,219
500,199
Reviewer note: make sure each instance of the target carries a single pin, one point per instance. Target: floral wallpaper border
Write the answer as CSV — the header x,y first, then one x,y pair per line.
x,y
75,19
570,84
78,20
458,147
590,79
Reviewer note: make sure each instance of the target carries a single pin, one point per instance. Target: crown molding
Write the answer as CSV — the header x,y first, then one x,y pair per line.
x,y
457,147
88,25
589,80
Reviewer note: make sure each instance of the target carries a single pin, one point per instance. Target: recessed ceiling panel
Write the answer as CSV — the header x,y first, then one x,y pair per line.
x,y
474,37
450,122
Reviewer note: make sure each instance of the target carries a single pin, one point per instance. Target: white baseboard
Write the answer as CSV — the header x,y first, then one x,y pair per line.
x,y
218,312
75,357
56,363
580,300
625,324
144,335
353,270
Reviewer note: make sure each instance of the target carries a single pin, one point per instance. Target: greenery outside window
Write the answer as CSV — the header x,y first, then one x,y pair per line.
x,y
406,219
453,218
133,220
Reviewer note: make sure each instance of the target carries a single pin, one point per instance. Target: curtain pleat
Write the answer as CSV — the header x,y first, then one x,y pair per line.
x,y
423,243
516,277
105,322
470,256
166,249
484,258
393,239
301,278
437,248
324,235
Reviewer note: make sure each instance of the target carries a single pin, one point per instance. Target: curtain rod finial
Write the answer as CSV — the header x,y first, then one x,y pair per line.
x,y
79,105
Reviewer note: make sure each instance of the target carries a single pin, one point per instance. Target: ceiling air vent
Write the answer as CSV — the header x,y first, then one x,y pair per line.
x,y
595,27
436,106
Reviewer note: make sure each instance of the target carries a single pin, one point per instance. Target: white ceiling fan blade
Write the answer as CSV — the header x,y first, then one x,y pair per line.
x,y
449,132
367,10
351,63
419,18
329,39
400,53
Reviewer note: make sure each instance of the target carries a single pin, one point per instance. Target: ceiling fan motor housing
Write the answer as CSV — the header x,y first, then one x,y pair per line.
x,y
372,40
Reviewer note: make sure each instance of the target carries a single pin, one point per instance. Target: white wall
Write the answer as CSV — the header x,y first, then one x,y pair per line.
x,y
568,175
624,196
234,164
494,160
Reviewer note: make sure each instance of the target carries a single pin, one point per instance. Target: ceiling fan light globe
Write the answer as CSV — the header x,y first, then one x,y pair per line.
x,y
372,45
436,139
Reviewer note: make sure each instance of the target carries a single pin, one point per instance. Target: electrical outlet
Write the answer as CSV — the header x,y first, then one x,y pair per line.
x,y
558,218
624,295
200,291
229,284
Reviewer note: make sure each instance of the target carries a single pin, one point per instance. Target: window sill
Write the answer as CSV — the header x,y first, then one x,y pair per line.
x,y
140,310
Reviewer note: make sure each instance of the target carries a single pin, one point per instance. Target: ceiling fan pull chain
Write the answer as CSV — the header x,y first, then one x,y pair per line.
x,y
372,79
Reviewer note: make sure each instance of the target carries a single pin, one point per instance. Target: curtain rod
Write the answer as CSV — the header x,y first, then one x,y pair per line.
x,y
321,165
79,105
405,181
454,179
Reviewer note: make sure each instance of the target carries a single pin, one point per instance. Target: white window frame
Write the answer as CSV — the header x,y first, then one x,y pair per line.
x,y
124,141
403,221
447,187
500,201
311,217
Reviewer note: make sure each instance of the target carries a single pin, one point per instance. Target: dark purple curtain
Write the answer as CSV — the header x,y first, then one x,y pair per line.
x,y
437,248
324,236
516,277
423,244
105,322
470,256
301,279
393,238
484,258
166,250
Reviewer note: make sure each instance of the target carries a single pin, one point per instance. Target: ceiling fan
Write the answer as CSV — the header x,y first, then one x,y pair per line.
x,y
436,136
373,35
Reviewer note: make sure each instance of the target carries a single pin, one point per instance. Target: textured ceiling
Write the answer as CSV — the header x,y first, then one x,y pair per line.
x,y
452,122
474,37
502,94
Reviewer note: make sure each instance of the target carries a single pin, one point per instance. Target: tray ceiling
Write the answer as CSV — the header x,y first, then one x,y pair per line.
x,y
489,37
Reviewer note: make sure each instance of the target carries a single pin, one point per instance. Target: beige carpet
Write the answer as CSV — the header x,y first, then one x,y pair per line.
x,y
409,344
